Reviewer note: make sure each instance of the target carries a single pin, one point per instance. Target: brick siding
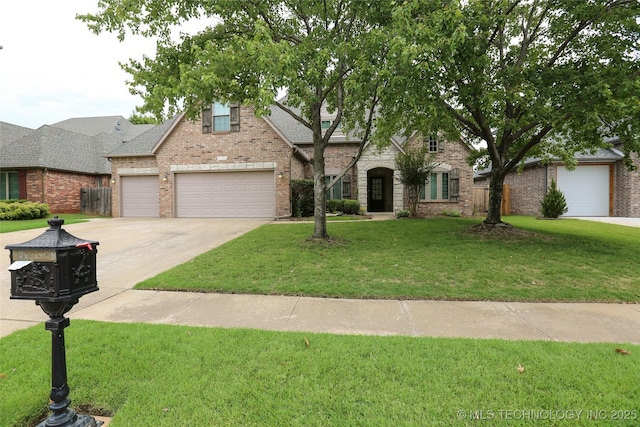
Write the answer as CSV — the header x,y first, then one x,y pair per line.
x,y
60,190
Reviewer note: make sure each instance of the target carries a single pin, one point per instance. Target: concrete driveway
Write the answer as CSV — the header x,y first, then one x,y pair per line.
x,y
130,250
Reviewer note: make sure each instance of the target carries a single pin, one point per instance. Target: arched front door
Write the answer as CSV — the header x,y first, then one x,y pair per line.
x,y
380,190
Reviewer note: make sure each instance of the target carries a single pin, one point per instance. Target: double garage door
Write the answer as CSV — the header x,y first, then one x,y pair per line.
x,y
204,195
586,190
225,195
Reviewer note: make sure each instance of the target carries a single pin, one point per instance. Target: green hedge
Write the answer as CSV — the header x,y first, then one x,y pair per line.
x,y
351,207
13,210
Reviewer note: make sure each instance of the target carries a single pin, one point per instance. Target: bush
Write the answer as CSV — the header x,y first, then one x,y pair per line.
x,y
553,204
404,213
452,212
302,197
351,207
335,205
13,210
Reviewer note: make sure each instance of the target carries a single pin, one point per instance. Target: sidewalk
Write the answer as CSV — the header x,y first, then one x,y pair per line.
x,y
615,323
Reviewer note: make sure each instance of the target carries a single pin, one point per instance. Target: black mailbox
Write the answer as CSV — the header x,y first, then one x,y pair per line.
x,y
54,267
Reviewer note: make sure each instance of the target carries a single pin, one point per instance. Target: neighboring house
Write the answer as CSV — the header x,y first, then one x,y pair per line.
x,y
600,185
52,163
231,163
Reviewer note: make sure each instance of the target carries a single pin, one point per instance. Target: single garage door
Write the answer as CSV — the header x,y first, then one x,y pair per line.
x,y
225,194
140,196
586,189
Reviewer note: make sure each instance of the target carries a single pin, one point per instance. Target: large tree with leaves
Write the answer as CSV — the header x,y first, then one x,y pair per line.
x,y
521,78
318,51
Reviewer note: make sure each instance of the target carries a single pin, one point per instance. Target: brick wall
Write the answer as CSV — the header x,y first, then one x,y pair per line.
x,y
60,190
627,190
528,188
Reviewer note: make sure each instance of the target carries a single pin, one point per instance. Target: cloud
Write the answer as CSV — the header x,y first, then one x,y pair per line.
x,y
53,68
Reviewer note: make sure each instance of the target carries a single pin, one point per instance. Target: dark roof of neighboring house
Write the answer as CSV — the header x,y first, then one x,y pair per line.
x,y
93,126
55,148
10,132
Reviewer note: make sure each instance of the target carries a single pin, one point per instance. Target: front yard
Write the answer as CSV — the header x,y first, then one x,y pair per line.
x,y
566,260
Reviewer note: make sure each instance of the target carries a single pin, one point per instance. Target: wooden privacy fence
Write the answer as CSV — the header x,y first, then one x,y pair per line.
x,y
96,201
481,199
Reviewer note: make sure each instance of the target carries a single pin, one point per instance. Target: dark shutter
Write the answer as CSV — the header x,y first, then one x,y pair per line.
x,y
346,186
207,119
234,117
454,185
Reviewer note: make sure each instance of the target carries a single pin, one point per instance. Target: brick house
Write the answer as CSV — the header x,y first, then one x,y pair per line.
x,y
231,163
52,163
600,185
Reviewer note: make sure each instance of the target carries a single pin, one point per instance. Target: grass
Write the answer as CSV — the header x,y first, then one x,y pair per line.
x,y
439,258
161,375
9,226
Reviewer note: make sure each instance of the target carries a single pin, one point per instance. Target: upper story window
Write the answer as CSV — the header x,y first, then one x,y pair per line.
x,y
434,144
221,118
326,124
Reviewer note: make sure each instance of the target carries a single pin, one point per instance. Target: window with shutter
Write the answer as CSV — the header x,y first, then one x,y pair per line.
x,y
433,144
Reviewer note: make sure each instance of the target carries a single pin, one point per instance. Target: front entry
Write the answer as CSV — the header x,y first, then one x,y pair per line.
x,y
380,190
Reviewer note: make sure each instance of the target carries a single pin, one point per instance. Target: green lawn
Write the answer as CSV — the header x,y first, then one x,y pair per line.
x,y
9,226
437,258
160,375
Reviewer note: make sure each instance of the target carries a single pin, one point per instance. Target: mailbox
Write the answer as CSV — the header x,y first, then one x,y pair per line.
x,y
54,267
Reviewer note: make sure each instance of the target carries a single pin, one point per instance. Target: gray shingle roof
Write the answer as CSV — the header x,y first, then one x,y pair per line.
x,y
144,144
10,132
55,148
93,126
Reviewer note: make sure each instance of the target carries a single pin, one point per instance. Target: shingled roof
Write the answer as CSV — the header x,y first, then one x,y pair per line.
x,y
10,132
145,143
59,149
93,126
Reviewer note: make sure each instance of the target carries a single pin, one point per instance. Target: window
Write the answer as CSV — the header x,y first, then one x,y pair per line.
x,y
437,187
342,188
9,187
435,145
326,124
221,118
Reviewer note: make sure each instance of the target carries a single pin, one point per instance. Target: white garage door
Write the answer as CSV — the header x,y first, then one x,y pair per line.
x,y
586,189
225,195
140,196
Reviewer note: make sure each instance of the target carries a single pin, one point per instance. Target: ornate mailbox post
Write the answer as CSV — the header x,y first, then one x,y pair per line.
x,y
55,269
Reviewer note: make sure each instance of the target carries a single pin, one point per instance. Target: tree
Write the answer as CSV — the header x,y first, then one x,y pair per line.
x,y
553,204
516,78
139,119
312,49
415,166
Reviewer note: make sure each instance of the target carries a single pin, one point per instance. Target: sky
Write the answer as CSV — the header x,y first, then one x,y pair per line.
x,y
52,67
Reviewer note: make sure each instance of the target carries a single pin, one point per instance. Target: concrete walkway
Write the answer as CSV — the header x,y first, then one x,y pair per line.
x,y
131,250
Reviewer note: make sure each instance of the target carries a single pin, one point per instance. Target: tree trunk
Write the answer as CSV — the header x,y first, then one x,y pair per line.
x,y
319,193
494,215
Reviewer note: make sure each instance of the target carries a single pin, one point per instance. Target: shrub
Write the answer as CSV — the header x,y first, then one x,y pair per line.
x,y
553,204
334,205
13,210
404,213
302,197
452,212
351,207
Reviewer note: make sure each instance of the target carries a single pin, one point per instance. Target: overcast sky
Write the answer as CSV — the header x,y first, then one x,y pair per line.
x,y
53,68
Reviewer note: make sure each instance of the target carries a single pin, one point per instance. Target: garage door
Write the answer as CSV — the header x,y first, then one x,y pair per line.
x,y
140,196
225,195
586,189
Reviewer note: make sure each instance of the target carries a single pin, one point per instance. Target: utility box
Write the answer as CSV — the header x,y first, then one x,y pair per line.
x,y
54,267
